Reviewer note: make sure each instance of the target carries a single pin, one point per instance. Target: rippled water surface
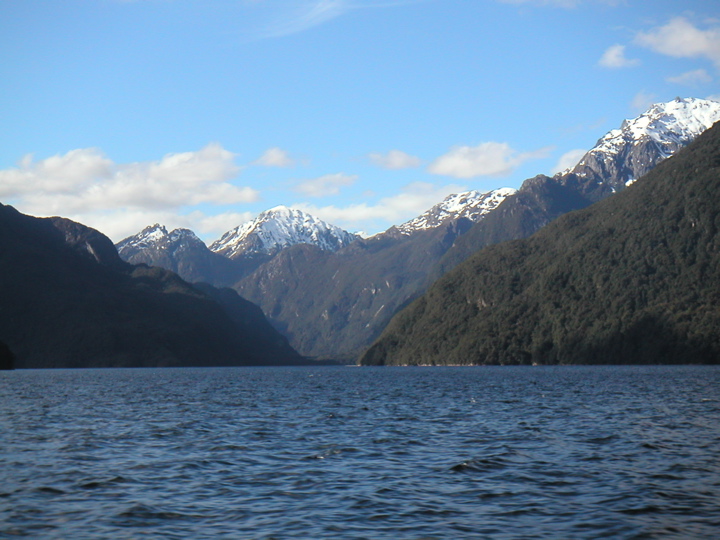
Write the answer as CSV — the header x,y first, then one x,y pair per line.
x,y
380,453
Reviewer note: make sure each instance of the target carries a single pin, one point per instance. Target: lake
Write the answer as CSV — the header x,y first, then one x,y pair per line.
x,y
377,453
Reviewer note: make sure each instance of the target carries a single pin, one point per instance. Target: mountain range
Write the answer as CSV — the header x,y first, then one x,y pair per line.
x,y
329,291
634,278
238,252
333,298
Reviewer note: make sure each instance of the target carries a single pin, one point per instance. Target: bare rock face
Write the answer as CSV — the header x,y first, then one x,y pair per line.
x,y
89,242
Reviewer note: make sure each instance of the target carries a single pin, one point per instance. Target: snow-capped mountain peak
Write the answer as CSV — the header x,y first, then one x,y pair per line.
x,y
678,121
157,237
149,236
625,154
278,228
472,205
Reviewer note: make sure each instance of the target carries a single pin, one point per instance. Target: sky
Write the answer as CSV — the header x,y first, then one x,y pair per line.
x,y
203,113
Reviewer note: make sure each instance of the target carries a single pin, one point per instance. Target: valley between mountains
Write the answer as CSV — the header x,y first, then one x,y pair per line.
x,y
631,274
332,293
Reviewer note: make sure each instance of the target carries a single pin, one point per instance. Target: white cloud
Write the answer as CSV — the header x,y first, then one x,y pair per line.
x,y
275,157
395,159
568,160
485,159
58,174
642,101
87,186
681,39
691,78
121,223
326,185
218,224
614,57
413,200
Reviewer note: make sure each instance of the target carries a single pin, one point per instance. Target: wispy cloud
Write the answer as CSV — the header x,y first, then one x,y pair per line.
x,y
568,160
301,15
216,224
275,157
394,160
553,3
680,38
642,101
326,185
119,199
614,57
696,77
567,4
413,200
485,159
306,15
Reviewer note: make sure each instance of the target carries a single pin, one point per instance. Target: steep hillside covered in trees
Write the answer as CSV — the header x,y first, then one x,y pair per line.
x,y
632,279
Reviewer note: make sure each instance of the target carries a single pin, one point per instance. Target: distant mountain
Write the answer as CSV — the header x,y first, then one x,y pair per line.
x,y
333,304
157,238
617,159
632,279
472,205
69,300
238,252
182,252
277,229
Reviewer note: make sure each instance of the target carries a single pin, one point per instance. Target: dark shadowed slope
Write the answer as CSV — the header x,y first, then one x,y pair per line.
x,y
183,253
68,300
632,279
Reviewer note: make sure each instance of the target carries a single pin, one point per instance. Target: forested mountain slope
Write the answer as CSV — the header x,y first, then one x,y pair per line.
x,y
68,300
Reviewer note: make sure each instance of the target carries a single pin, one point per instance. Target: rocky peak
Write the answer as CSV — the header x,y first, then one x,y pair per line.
x,y
472,205
278,228
623,155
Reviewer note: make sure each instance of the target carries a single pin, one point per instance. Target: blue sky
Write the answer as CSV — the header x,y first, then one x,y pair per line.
x,y
203,113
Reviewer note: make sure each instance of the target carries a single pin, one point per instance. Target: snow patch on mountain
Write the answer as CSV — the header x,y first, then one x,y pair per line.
x,y
670,125
278,228
157,237
473,205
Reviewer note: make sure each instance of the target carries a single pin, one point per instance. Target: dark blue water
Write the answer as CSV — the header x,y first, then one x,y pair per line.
x,y
381,453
